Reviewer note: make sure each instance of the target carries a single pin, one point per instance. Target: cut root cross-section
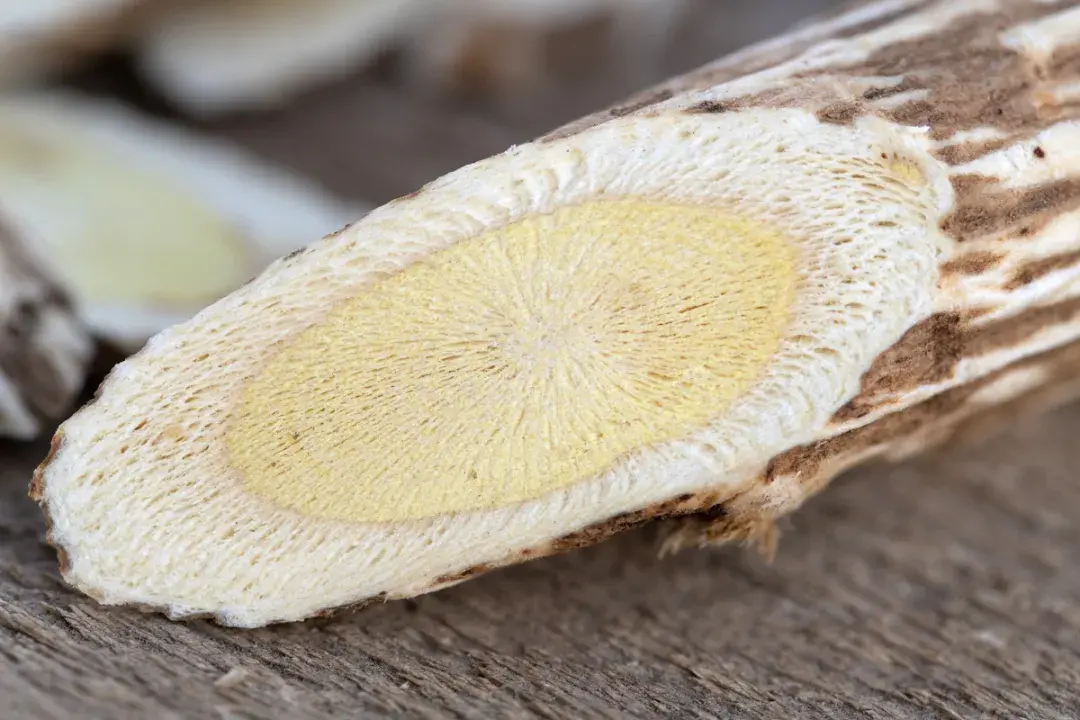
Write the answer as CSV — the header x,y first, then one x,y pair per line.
x,y
703,304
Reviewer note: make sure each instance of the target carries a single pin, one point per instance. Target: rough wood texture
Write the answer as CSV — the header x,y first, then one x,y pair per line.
x,y
944,588
44,351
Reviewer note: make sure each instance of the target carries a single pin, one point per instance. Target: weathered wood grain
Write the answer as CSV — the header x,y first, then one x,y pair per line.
x,y
944,588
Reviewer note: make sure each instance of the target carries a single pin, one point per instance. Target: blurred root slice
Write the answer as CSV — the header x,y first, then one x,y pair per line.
x,y
218,56
42,36
143,223
44,351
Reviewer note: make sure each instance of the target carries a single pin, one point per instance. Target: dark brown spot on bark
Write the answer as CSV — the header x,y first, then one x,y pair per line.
x,y
716,512
1032,271
712,106
1040,153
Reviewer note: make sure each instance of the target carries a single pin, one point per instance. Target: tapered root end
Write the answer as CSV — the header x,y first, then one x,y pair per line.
x,y
532,352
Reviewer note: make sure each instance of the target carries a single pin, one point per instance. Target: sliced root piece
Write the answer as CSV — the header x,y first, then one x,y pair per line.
x,y
216,56
40,36
569,332
44,350
700,303
144,223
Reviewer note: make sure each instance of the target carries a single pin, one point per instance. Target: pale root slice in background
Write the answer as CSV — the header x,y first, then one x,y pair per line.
x,y
704,303
44,350
146,224
42,36
218,56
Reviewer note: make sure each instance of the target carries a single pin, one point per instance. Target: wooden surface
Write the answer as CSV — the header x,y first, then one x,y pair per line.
x,y
944,588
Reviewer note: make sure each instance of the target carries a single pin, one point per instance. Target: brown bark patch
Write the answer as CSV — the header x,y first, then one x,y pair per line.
x,y
943,412
1032,271
880,93
973,79
840,113
963,153
926,354
984,209
685,504
929,352
973,263
808,461
1014,331
712,107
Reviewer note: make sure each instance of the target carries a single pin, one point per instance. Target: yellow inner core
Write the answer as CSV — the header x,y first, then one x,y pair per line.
x,y
517,362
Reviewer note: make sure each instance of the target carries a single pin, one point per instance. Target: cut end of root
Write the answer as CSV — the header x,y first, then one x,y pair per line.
x,y
530,353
